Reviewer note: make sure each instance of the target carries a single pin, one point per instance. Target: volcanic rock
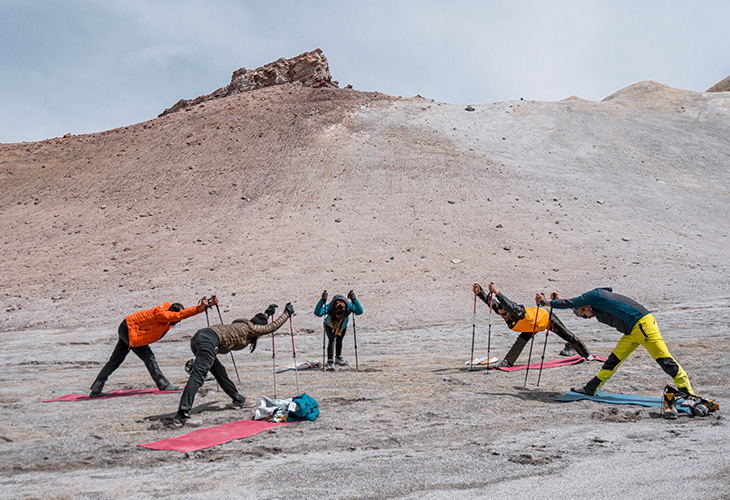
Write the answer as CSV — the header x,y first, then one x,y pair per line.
x,y
309,69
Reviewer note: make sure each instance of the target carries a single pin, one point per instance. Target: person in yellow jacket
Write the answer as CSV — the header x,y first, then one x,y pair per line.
x,y
138,331
522,319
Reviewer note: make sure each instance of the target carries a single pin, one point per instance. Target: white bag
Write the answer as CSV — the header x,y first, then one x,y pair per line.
x,y
275,410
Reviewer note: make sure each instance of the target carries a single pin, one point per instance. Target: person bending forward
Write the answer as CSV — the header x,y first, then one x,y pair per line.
x,y
630,318
522,319
137,331
207,343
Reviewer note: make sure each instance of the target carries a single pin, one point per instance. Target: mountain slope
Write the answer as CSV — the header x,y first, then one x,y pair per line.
x,y
278,193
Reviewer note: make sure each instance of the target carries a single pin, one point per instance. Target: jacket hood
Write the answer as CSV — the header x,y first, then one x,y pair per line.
x,y
340,297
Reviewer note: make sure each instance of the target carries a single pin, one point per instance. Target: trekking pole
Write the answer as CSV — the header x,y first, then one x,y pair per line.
x,y
294,353
324,341
273,358
547,331
324,332
532,341
473,332
489,335
230,352
354,337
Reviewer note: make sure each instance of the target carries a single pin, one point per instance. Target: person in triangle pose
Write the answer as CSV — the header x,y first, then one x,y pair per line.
x,y
522,319
336,317
634,321
137,331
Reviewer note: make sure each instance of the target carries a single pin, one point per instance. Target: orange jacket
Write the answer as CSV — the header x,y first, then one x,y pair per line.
x,y
148,326
527,324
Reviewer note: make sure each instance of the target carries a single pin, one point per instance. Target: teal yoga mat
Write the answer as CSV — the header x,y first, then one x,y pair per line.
x,y
616,399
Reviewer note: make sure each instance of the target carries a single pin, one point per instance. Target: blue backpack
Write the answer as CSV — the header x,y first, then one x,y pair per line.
x,y
307,409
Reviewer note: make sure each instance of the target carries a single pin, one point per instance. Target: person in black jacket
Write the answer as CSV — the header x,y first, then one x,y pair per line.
x,y
521,319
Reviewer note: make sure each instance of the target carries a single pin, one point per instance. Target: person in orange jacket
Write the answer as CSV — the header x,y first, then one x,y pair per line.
x,y
141,329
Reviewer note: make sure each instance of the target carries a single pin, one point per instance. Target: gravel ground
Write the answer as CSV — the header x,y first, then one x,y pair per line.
x,y
275,195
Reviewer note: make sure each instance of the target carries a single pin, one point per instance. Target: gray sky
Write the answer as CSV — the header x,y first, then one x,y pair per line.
x,y
86,66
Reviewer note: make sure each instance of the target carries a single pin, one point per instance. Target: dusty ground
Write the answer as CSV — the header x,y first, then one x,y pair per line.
x,y
280,193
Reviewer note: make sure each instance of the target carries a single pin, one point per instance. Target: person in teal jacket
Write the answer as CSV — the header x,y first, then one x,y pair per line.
x,y
336,318
634,321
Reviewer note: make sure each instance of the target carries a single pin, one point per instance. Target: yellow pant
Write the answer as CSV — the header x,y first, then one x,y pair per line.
x,y
645,332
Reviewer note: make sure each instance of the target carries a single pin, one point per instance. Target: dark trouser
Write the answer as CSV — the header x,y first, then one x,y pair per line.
x,y
120,353
205,344
559,329
333,341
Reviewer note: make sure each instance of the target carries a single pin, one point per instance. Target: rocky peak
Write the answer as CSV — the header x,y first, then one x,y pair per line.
x,y
310,69
723,86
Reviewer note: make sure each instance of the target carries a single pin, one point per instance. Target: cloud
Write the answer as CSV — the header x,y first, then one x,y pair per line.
x,y
84,66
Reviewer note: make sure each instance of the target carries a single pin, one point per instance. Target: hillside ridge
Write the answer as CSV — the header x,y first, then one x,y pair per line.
x,y
277,193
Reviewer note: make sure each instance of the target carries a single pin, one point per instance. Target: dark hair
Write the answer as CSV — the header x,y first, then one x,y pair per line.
x,y
338,309
176,307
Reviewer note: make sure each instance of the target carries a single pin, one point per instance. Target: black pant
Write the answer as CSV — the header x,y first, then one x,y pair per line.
x,y
205,344
120,353
555,326
333,341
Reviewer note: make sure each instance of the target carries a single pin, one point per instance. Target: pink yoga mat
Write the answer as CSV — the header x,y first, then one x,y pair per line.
x,y
213,436
550,364
116,394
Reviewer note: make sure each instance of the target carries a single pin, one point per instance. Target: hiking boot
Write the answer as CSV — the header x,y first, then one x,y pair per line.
x,y
668,401
96,388
330,366
700,410
704,407
699,407
503,364
183,419
583,390
238,401
568,350
340,361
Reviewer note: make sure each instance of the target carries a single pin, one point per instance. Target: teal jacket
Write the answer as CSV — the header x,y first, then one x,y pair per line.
x,y
609,308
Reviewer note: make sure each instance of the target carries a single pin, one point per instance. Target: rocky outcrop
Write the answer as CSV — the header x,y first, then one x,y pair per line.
x,y
723,86
310,69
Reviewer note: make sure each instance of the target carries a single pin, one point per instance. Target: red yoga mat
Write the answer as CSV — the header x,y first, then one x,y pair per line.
x,y
116,394
573,360
213,436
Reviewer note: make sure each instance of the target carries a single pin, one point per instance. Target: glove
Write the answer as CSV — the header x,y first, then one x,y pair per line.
x,y
271,310
351,295
324,297
289,308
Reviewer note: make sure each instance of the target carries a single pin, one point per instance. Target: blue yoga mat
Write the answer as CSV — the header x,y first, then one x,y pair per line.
x,y
616,399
